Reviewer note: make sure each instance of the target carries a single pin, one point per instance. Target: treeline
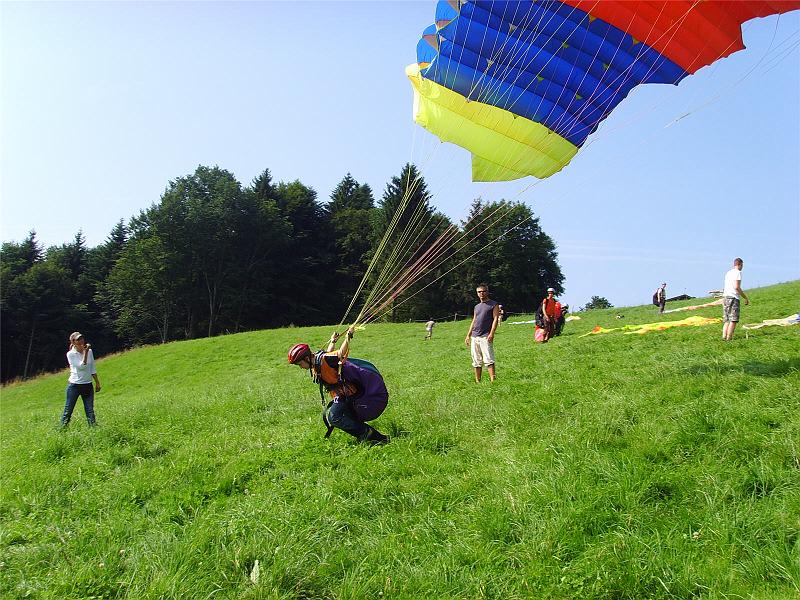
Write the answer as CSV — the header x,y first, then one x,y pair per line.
x,y
214,257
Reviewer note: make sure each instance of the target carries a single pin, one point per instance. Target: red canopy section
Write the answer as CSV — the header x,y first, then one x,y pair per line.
x,y
691,33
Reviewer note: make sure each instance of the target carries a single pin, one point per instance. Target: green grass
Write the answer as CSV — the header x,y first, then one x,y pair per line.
x,y
664,465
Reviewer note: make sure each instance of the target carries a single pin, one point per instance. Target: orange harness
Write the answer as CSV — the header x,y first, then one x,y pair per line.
x,y
329,377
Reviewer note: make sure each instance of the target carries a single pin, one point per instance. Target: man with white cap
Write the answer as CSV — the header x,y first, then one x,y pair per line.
x,y
549,314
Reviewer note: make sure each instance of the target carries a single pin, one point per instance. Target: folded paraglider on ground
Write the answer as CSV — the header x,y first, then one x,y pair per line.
x,y
660,326
785,322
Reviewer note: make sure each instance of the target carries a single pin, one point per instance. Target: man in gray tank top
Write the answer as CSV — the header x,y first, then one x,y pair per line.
x,y
480,337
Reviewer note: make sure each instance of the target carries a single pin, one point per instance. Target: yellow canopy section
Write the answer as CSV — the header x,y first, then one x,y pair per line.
x,y
504,146
660,326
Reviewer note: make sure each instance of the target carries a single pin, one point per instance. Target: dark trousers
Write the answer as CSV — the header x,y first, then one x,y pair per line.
x,y
342,416
86,392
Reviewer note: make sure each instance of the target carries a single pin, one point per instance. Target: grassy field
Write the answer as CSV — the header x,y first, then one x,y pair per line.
x,y
664,465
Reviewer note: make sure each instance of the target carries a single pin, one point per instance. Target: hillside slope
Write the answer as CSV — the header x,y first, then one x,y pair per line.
x,y
664,465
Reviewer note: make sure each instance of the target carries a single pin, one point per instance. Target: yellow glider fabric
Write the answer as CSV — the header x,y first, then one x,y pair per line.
x,y
660,326
597,330
687,322
504,146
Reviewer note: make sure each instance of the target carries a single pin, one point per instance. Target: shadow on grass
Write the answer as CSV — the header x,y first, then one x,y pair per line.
x,y
395,430
776,368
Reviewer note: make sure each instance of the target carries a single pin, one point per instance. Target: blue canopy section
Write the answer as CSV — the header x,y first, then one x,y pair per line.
x,y
542,60
425,52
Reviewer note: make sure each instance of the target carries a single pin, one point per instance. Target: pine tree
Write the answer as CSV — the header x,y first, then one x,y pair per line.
x,y
350,210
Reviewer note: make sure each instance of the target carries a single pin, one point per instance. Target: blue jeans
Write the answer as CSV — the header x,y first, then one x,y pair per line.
x,y
86,392
342,416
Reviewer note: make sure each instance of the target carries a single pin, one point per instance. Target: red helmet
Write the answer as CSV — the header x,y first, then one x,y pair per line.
x,y
298,352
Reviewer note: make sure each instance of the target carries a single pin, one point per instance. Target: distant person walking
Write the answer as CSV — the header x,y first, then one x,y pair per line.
x,y
480,337
429,329
81,372
660,298
731,291
549,314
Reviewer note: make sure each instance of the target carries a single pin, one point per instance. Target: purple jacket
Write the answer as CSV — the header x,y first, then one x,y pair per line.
x,y
373,396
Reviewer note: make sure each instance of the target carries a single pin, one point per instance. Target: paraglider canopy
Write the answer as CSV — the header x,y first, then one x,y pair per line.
x,y
522,84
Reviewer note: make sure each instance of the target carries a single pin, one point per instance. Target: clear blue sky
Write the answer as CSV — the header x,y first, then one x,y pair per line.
x,y
104,103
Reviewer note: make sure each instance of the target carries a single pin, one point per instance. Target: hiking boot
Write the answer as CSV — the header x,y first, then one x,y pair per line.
x,y
374,437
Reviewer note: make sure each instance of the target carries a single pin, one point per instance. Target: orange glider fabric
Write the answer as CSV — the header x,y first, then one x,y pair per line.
x,y
691,33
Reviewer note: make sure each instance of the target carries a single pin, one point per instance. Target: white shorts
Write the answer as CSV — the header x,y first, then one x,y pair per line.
x,y
482,352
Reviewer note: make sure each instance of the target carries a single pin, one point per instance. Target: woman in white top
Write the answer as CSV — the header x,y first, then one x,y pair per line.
x,y
81,373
